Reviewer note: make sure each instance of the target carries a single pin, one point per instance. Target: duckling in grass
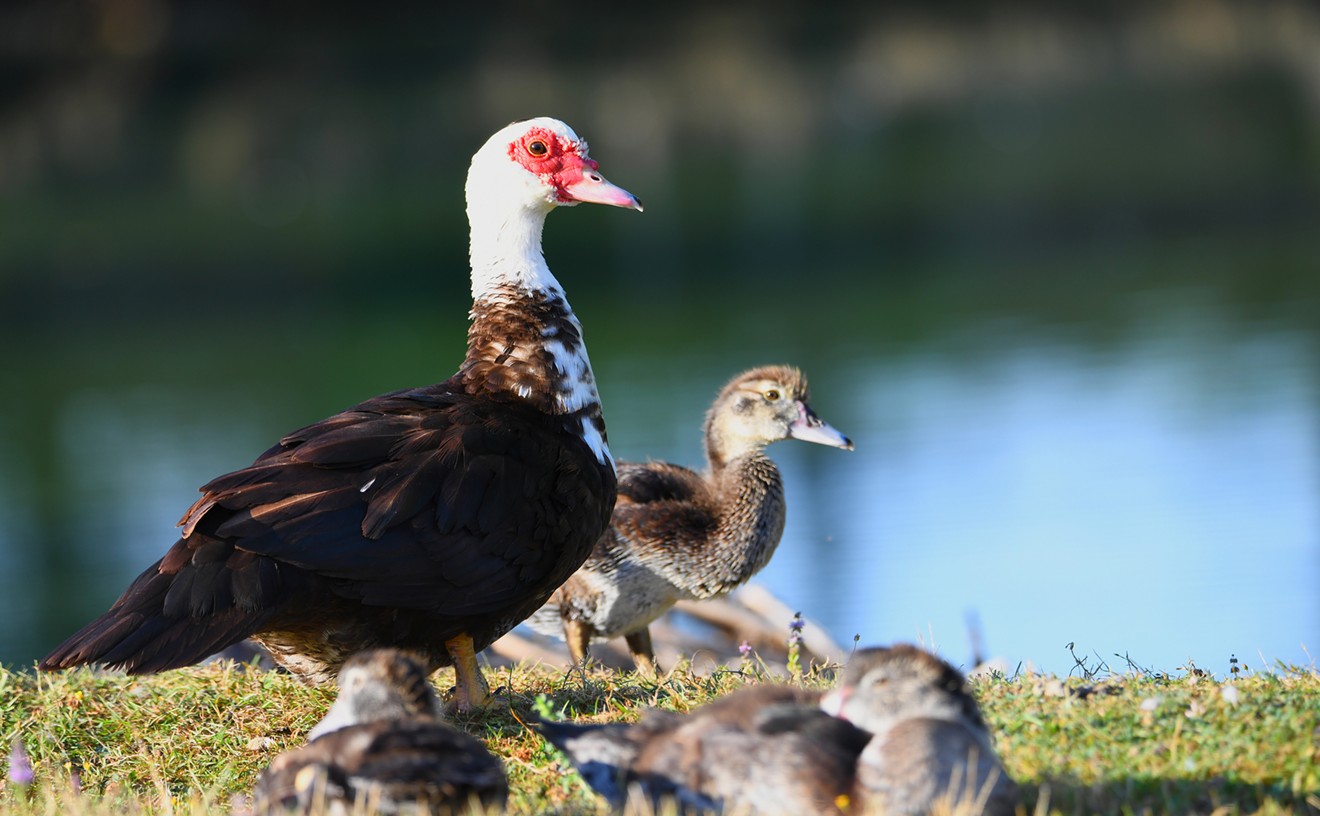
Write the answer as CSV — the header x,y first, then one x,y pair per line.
x,y
382,748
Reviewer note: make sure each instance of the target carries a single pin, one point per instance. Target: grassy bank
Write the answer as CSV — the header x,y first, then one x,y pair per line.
x,y
192,741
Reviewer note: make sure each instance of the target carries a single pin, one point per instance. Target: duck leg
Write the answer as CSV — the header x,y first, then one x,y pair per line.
x,y
578,635
639,643
471,690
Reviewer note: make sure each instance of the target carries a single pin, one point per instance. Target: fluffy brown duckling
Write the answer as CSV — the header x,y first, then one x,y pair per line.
x,y
766,749
908,737
678,534
382,747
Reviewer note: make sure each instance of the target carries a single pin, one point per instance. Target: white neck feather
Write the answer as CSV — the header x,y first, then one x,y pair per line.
x,y
506,209
506,251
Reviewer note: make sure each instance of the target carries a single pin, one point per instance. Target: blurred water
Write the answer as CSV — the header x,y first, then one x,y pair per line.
x,y
1154,494
1158,500
1159,503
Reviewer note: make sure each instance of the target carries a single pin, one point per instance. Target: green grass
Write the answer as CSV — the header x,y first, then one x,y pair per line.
x,y
192,741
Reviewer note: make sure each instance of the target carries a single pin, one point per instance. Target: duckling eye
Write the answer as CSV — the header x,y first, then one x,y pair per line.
x,y
771,394
537,148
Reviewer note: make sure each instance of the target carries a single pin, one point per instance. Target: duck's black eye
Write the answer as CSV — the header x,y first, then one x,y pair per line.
x,y
772,394
537,148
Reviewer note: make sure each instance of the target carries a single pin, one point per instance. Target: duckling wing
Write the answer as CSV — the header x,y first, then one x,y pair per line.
x,y
648,482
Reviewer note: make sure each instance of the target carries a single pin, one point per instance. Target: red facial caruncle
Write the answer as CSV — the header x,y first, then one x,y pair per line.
x,y
562,165
555,160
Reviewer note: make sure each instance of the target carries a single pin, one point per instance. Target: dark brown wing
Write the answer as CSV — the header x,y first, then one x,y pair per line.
x,y
408,494
424,499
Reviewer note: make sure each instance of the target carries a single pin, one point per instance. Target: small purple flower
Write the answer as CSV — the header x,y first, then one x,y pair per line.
x,y
20,766
795,644
795,628
744,649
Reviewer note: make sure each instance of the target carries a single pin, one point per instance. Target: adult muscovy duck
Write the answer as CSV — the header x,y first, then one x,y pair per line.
x,y
382,748
680,534
432,519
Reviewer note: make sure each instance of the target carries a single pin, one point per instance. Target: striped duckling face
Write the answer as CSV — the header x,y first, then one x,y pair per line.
x,y
765,405
381,684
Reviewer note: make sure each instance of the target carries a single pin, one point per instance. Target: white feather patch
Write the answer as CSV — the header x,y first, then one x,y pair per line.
x,y
579,383
596,441
578,391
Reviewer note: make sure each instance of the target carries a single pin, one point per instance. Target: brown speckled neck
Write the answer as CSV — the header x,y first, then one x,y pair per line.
x,y
526,346
750,495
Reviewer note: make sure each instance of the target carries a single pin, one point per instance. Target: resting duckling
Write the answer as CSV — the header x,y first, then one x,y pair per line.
x,y
908,738
382,747
929,745
766,749
678,534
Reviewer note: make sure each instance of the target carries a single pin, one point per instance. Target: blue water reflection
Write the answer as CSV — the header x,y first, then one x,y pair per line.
x,y
1154,494
1158,499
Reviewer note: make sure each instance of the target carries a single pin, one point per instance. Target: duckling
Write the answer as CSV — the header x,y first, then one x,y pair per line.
x,y
678,534
765,749
929,744
382,746
907,737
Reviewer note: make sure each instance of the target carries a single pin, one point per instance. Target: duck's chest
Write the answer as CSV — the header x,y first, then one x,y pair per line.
x,y
626,595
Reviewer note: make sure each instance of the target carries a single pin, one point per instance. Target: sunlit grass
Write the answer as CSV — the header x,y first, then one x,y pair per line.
x,y
193,741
